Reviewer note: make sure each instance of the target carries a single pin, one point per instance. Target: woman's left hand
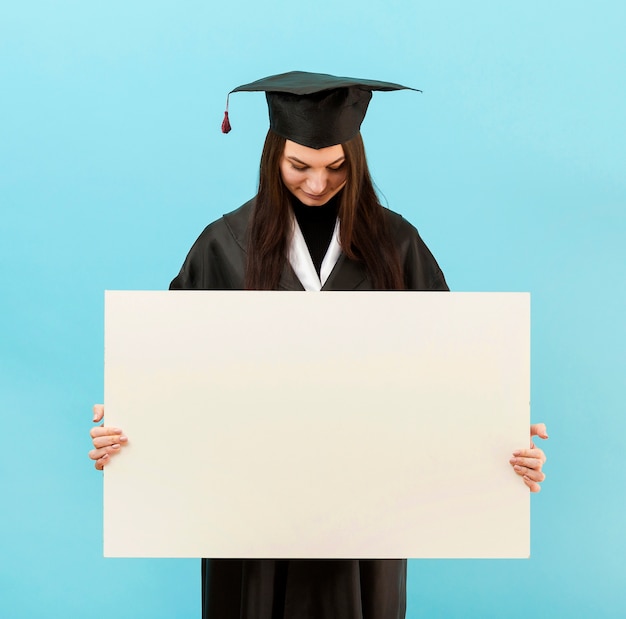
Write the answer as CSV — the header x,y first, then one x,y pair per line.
x,y
527,463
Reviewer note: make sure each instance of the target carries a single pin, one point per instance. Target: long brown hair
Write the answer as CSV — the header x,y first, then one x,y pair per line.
x,y
363,234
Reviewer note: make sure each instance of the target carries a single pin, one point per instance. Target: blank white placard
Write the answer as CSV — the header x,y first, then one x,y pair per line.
x,y
336,425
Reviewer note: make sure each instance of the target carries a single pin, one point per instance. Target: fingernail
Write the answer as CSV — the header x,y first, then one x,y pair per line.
x,y
517,453
115,446
517,467
95,418
116,430
105,457
512,460
123,438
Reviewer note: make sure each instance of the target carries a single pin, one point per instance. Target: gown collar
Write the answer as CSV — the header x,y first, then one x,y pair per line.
x,y
302,264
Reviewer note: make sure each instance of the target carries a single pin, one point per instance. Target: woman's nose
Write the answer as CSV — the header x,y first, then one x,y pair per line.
x,y
316,182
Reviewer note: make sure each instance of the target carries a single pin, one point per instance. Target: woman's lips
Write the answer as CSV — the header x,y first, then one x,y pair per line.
x,y
314,197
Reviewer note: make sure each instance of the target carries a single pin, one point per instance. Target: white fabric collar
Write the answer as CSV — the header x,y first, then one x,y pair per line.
x,y
302,264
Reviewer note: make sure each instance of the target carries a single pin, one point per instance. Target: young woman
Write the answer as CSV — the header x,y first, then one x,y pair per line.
x,y
315,224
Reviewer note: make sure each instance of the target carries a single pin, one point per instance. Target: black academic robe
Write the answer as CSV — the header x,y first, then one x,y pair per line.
x,y
301,589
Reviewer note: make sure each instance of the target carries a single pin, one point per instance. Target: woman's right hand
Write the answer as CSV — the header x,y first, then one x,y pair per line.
x,y
106,441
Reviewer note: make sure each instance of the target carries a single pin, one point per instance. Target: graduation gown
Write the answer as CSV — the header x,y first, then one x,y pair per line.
x,y
217,259
304,588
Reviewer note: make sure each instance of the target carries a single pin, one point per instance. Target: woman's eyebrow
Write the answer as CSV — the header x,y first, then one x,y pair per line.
x,y
291,158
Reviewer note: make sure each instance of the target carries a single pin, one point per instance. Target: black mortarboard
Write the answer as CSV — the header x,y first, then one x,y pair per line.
x,y
315,109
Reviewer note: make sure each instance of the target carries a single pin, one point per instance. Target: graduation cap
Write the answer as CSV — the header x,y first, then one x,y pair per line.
x,y
315,109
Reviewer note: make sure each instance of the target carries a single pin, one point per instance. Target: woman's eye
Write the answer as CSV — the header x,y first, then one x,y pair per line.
x,y
299,168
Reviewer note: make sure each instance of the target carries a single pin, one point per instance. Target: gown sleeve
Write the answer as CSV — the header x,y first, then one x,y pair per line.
x,y
216,261
421,271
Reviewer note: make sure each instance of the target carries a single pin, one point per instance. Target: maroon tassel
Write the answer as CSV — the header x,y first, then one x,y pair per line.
x,y
226,123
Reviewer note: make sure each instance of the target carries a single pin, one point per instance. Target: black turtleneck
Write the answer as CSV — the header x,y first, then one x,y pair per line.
x,y
317,224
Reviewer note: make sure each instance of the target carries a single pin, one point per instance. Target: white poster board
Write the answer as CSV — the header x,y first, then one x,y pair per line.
x,y
319,425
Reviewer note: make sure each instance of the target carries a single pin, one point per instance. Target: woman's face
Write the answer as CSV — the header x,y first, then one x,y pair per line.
x,y
313,176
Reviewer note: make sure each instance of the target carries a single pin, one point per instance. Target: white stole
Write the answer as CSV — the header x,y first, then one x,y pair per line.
x,y
302,264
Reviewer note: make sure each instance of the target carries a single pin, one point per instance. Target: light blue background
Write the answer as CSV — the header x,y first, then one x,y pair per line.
x,y
512,165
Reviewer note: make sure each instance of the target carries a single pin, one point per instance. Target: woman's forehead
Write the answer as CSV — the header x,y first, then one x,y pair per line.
x,y
313,156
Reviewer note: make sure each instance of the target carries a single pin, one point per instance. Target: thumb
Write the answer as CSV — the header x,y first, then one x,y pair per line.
x,y
539,429
98,412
